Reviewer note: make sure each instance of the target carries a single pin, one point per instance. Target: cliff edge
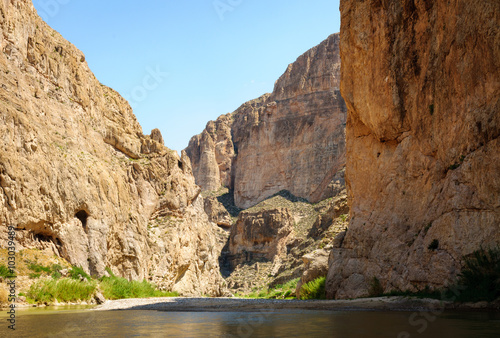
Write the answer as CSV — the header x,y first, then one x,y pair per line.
x,y
421,80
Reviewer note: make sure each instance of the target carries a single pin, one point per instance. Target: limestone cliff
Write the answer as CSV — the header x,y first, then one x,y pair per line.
x,y
421,80
292,139
77,175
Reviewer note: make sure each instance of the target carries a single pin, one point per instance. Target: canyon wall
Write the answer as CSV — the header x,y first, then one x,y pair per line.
x,y
421,80
292,139
77,175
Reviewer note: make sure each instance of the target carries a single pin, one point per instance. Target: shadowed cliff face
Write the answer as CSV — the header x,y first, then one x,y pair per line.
x,y
292,139
78,177
421,83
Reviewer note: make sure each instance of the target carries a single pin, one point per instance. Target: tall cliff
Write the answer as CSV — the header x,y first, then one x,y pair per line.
x,y
421,80
77,175
292,139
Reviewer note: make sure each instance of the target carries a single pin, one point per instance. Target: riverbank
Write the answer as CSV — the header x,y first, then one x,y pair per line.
x,y
239,304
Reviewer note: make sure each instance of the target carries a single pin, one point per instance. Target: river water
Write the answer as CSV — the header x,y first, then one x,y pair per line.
x,y
282,323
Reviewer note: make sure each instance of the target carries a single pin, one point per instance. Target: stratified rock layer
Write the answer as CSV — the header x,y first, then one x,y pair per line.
x,y
292,139
78,177
421,83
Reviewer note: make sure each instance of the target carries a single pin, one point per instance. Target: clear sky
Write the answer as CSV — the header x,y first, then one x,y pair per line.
x,y
183,63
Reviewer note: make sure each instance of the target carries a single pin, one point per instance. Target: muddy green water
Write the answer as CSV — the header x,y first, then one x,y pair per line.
x,y
286,323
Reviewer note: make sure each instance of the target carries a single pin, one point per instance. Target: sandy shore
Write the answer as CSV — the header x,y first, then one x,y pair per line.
x,y
238,304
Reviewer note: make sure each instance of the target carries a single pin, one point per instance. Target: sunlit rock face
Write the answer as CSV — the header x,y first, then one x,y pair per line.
x,y
79,178
421,83
292,139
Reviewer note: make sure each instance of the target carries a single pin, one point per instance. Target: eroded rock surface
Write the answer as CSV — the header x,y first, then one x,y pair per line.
x,y
260,235
77,175
421,83
292,139
217,213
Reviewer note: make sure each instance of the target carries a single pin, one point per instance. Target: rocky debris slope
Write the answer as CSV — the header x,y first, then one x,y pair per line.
x,y
77,175
292,139
421,83
267,243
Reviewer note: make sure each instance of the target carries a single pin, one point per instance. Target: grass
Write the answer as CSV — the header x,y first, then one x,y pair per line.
x,y
72,289
314,289
63,290
39,270
5,271
119,288
76,272
280,291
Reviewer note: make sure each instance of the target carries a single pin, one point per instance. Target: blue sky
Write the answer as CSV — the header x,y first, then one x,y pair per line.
x,y
183,63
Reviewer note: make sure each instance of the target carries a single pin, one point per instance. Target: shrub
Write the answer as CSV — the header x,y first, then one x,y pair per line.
x,y
434,245
5,271
64,290
314,289
76,272
37,268
118,288
479,279
376,288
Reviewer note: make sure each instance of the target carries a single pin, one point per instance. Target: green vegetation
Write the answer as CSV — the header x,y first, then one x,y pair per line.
x,y
64,290
434,245
376,289
314,289
479,279
279,291
79,286
38,270
4,271
118,288
76,272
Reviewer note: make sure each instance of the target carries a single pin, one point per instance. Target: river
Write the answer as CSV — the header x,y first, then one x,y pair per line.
x,y
282,323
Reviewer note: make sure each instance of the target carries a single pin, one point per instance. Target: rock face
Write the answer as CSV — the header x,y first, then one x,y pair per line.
x,y
217,213
77,175
260,235
292,139
421,83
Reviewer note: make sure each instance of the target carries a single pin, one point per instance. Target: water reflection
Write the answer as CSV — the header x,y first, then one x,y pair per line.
x,y
281,323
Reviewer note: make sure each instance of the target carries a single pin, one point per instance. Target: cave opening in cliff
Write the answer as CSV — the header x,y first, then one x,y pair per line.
x,y
82,215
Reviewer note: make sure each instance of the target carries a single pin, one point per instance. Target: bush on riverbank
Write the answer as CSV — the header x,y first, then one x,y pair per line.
x,y
314,289
62,290
279,291
479,279
118,288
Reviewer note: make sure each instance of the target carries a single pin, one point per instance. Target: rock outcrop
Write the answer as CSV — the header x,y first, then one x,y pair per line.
x,y
77,175
292,139
260,235
421,83
217,213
